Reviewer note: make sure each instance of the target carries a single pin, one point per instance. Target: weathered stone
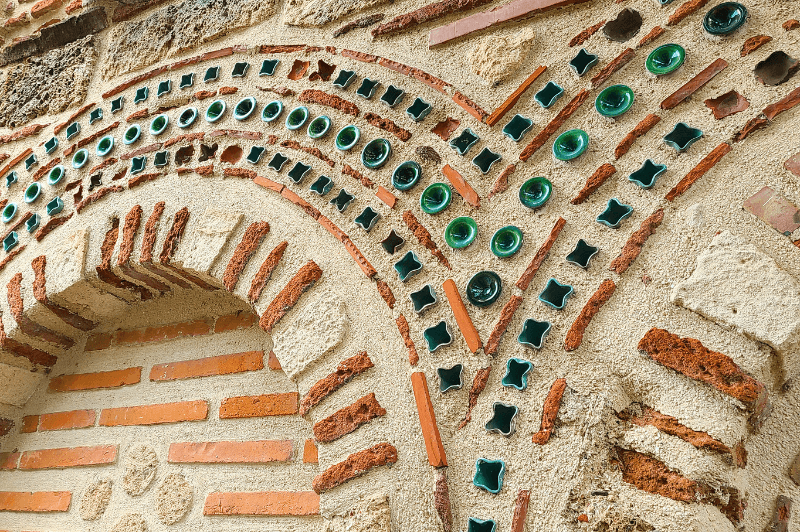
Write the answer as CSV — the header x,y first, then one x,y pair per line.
x,y
48,84
176,28
497,57
174,498
20,383
371,514
139,468
130,523
320,12
738,285
317,329
205,241
95,499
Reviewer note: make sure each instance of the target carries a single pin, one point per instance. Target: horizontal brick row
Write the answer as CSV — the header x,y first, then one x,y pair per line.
x,y
154,414
274,404
95,381
73,419
270,503
231,452
68,457
204,367
37,501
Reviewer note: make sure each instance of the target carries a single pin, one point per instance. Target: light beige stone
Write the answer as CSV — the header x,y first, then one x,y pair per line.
x,y
318,328
18,384
202,247
320,12
174,498
94,500
372,514
497,57
130,523
139,469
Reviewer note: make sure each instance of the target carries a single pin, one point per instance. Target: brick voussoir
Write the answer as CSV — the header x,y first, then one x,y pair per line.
x,y
346,370
265,271
35,356
599,298
252,238
355,465
348,419
290,295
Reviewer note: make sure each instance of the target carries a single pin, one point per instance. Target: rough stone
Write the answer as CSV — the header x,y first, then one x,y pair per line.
x,y
47,84
372,514
95,499
174,498
206,241
318,328
139,468
177,28
320,12
130,523
738,285
497,57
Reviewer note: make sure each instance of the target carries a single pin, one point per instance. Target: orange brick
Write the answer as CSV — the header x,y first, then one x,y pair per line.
x,y
462,316
74,419
37,501
231,452
69,457
273,363
387,197
241,320
93,381
274,404
427,420
154,414
44,6
9,461
29,424
275,503
166,332
204,367
310,453
98,341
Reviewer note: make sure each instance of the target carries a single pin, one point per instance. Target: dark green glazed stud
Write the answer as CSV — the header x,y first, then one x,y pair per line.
x,y
423,299
342,200
484,288
464,141
376,153
392,242
392,96
105,146
682,136
665,59
31,161
32,192
438,336
615,212
506,241
159,124
9,212
480,525
614,101
570,144
461,232
240,69
255,154
450,378
367,88
344,78
406,175
555,294
367,219
517,127
485,160
725,18
55,175
11,178
435,198
319,127
646,176
533,333
549,94
347,137
502,420
582,62
517,374
10,241
582,254
51,145
163,88
489,475
268,67
215,111
535,192
244,108
272,111
407,266
419,110
296,118
187,117
322,185
298,172
33,223
187,80
55,206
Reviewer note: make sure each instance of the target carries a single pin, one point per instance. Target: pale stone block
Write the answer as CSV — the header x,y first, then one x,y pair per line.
x,y
203,246
18,384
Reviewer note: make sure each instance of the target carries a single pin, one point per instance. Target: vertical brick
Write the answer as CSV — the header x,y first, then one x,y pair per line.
x,y
154,414
231,452
427,420
462,316
310,453
68,457
550,411
275,404
93,381
37,501
272,503
205,367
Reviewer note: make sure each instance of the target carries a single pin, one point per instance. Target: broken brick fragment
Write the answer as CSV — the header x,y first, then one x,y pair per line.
x,y
617,63
346,420
446,127
358,176
653,476
645,416
290,295
329,100
405,333
599,298
388,125
784,104
506,315
754,43
754,124
654,34
791,24
386,293
501,183
469,106
520,511
362,22
594,182
354,466
141,113
478,385
425,14
698,171
541,254
727,104
694,84
298,70
424,237
584,35
550,411
636,242
346,370
441,500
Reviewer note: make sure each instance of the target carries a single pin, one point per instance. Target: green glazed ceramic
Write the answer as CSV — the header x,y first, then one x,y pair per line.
x,y
506,241
516,375
319,127
481,525
80,158
435,198
55,175
614,100
32,192
582,62
489,475
484,288
9,212
244,108
555,294
105,145
535,192
725,18
215,111
296,118
347,137
502,422
570,144
461,232
376,153
450,378
159,124
665,59
272,111
406,175
131,134
187,117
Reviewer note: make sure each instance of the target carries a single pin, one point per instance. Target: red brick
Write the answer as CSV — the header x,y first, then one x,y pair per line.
x,y
541,254
68,457
427,420
520,511
273,503
37,501
93,381
470,107
506,315
348,419
654,34
273,363
164,332
265,271
29,424
310,454
617,63
653,476
592,307
274,404
329,100
463,319
550,411
73,6
362,262
251,240
512,100
354,466
98,341
541,138
74,419
268,183
205,367
754,43
636,242
9,461
694,84
405,333
232,322
698,171
154,414
387,197
425,14
346,370
641,128
461,186
671,426
290,295
784,104
686,9
6,425
231,452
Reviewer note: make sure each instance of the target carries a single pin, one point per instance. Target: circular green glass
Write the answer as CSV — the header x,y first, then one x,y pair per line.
x,y
244,108
614,100
376,153
105,145
461,232
725,18
159,124
535,192
131,134
406,175
506,241
435,198
319,127
187,117
56,175
272,111
484,288
347,137
665,59
32,192
570,144
296,118
9,212
80,158
215,111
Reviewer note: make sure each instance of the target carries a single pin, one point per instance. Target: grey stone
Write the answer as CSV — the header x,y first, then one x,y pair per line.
x,y
320,12
174,498
139,468
95,499
48,84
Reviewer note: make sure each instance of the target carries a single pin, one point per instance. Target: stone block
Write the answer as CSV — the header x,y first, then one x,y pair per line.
x,y
205,241
320,12
19,384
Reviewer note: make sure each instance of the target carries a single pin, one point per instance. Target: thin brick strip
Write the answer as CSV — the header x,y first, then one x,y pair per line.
x,y
425,14
541,138
550,411
154,414
617,63
133,221
36,501
462,187
673,427
68,457
329,100
28,131
26,325
501,183
265,271
348,419
470,107
206,367
387,125
354,466
45,169
35,356
271,503
94,136
104,272
405,333
520,511
441,500
368,269
536,263
784,104
11,256
346,370
151,232
694,84
686,9
641,128
594,182
512,100
19,158
272,404
95,381
478,385
74,419
592,307
630,251
698,171
427,420
386,292
40,293
584,35
463,320
252,238
96,196
51,225
653,476
174,235
290,295
424,237
506,315
230,452
654,34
